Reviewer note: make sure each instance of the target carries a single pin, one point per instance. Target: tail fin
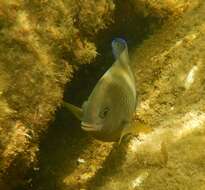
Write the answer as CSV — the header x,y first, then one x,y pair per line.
x,y
78,112
120,50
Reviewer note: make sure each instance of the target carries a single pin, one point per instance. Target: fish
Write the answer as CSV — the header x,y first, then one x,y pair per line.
x,y
107,114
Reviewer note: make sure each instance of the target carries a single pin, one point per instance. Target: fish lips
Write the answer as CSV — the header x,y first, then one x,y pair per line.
x,y
90,127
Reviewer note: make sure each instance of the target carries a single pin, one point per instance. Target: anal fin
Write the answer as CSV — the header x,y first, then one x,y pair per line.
x,y
135,128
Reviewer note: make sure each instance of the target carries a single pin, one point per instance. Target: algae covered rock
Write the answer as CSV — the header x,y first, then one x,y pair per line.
x,y
41,43
164,8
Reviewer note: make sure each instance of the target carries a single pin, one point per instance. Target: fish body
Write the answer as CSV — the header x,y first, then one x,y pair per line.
x,y
112,102
110,106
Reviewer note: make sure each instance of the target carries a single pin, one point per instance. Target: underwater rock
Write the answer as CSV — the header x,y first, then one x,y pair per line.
x,y
164,8
40,46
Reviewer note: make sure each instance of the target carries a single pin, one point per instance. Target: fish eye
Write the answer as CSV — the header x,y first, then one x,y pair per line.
x,y
104,112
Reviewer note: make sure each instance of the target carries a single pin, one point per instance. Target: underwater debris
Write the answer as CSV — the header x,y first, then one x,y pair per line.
x,y
164,151
140,179
81,160
190,77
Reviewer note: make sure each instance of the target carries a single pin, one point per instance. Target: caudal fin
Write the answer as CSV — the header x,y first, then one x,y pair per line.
x,y
120,50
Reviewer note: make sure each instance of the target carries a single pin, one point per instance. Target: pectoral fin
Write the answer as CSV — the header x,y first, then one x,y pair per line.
x,y
78,112
135,128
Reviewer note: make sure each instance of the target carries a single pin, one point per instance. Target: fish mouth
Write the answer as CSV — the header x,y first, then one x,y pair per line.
x,y
89,127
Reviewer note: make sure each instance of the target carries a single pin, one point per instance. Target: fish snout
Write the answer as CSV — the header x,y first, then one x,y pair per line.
x,y
90,127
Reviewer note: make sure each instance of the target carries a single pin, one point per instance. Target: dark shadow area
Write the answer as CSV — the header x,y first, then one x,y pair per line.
x,y
58,151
